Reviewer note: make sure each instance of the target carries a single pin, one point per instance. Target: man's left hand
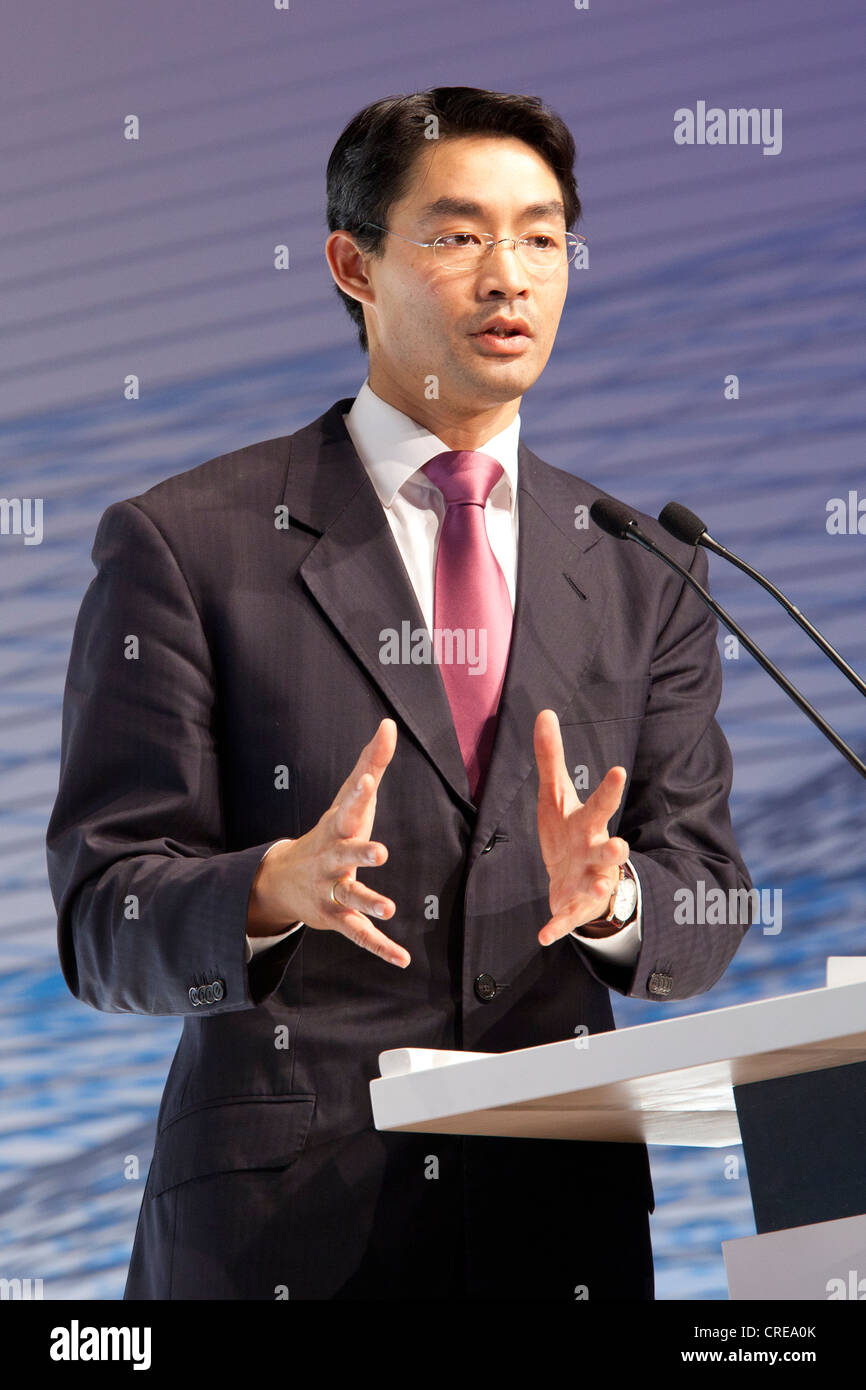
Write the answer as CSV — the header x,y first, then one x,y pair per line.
x,y
581,859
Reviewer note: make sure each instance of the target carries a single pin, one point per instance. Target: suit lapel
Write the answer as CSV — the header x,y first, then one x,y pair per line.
x,y
355,573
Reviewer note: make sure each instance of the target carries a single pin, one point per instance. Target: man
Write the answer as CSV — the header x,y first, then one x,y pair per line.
x,y
402,577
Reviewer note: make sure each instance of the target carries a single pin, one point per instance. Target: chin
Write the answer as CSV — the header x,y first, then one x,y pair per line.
x,y
502,381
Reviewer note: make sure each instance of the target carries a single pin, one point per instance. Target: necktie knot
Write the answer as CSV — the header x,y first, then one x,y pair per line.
x,y
463,475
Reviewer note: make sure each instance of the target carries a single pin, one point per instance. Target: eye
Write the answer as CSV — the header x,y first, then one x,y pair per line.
x,y
458,240
541,241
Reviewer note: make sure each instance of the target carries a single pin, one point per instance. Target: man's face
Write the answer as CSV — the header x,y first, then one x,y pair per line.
x,y
425,316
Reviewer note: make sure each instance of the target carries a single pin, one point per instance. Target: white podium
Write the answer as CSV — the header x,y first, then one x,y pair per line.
x,y
786,1077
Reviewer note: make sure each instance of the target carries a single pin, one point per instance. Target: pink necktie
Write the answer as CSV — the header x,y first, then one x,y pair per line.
x,y
471,599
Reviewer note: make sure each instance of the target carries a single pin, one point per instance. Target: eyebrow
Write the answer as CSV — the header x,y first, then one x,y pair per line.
x,y
467,207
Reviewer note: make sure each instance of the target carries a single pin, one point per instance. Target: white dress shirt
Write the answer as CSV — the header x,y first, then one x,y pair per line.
x,y
393,448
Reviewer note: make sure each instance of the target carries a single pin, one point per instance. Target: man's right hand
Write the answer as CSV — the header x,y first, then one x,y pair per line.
x,y
294,881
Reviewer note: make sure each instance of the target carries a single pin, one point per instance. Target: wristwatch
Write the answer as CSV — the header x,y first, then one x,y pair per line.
x,y
621,909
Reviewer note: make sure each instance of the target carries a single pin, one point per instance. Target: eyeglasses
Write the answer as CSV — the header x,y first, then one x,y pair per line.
x,y
541,254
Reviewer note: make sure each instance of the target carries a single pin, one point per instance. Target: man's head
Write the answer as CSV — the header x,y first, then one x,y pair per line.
x,y
496,164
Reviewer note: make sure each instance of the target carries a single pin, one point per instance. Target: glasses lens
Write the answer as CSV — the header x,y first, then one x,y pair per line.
x,y
542,253
459,250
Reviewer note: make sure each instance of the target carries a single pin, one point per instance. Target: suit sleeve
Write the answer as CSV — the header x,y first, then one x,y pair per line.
x,y
151,903
676,818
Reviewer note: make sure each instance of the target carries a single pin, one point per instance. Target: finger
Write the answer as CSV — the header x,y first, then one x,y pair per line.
x,y
380,749
374,755
616,850
550,756
349,854
356,812
605,856
350,893
587,908
355,808
604,802
361,932
350,784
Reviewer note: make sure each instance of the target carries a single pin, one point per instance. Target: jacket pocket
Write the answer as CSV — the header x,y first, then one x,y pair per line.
x,y
230,1135
601,702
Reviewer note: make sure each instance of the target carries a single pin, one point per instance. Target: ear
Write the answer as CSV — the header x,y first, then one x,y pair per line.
x,y
347,265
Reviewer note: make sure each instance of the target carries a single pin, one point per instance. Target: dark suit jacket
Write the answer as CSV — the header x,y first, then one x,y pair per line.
x,y
223,678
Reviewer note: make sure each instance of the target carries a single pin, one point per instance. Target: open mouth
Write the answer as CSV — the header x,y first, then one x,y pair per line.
x,y
503,338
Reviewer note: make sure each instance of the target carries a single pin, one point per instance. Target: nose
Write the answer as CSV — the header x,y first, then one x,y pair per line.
x,y
503,270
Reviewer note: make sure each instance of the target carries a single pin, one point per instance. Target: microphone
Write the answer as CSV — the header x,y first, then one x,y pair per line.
x,y
618,520
686,527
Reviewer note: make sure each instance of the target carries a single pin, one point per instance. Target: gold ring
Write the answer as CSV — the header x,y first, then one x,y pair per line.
x,y
334,898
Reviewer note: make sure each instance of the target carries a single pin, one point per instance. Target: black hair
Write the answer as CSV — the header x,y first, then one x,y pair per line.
x,y
371,164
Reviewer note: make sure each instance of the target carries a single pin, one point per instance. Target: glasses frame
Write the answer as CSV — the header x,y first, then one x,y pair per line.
x,y
574,240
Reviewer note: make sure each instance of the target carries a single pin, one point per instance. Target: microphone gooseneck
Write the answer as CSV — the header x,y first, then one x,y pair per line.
x,y
617,520
686,527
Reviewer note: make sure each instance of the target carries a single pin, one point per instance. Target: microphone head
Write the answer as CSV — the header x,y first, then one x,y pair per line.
x,y
612,516
681,523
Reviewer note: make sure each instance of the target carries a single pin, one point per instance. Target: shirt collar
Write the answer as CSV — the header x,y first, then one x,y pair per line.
x,y
392,447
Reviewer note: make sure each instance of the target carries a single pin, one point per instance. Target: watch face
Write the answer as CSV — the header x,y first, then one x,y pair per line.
x,y
625,901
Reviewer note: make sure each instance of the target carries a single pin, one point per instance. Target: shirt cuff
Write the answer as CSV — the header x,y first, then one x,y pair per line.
x,y
624,945
262,943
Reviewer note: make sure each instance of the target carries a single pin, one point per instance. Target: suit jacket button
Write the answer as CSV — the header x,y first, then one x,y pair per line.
x,y
659,983
490,843
193,996
485,988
